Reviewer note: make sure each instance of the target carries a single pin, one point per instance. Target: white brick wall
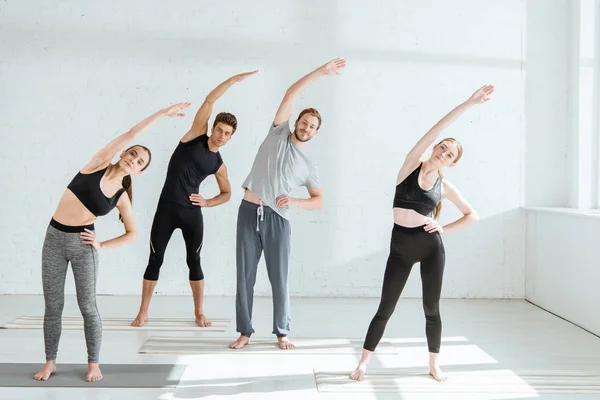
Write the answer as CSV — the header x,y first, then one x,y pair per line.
x,y
75,74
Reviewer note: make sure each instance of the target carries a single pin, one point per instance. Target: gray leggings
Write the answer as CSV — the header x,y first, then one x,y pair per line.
x,y
63,244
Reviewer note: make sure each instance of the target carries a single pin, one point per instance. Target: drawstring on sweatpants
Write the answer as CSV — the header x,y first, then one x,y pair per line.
x,y
260,214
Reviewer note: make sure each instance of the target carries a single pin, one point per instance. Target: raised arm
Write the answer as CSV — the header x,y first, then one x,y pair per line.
x,y
481,95
286,107
224,191
103,157
200,124
413,158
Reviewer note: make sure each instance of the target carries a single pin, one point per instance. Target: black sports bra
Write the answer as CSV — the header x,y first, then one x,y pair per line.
x,y
411,196
86,187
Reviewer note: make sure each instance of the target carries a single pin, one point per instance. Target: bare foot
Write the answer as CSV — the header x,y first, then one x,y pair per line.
x,y
46,372
202,322
359,372
141,319
94,374
240,342
437,374
284,343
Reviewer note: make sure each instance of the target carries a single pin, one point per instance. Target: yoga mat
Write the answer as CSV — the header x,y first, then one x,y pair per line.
x,y
73,375
123,324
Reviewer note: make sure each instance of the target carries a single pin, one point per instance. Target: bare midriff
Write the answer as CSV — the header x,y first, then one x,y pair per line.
x,y
252,198
408,218
72,212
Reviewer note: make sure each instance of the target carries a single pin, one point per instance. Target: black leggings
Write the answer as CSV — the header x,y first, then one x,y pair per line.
x,y
409,246
170,216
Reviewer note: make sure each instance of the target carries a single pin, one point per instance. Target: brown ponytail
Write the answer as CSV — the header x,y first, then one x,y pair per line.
x,y
126,182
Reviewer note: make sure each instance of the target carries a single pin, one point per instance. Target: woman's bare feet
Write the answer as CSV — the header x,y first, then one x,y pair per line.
x,y
202,322
437,373
359,372
141,319
46,372
434,368
284,343
94,374
240,342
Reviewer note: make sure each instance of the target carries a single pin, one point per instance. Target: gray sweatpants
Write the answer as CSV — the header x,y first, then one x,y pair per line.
x,y
256,233
63,244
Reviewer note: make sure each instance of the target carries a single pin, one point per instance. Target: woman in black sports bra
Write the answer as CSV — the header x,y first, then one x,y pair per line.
x,y
94,191
416,236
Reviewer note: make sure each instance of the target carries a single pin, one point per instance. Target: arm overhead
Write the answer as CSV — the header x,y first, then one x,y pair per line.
x,y
413,157
284,112
200,124
103,157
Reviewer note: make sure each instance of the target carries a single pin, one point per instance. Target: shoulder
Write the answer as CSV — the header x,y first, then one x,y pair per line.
x,y
124,199
196,140
448,188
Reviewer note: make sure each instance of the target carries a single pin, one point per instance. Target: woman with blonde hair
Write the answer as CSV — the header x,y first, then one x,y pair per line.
x,y
416,236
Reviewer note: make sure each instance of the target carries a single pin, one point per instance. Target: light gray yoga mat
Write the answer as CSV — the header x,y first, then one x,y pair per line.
x,y
499,381
194,345
123,324
73,375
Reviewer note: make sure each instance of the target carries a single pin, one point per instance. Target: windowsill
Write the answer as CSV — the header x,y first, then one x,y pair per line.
x,y
580,212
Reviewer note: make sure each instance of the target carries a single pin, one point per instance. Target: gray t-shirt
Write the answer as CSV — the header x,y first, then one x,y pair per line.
x,y
280,167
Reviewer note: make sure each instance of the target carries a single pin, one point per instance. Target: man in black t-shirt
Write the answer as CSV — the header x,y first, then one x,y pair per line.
x,y
180,206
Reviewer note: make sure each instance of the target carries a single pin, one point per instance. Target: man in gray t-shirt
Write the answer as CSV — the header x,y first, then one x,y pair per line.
x,y
280,166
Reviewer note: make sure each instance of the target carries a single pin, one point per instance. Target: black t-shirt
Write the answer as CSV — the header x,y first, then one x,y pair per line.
x,y
190,164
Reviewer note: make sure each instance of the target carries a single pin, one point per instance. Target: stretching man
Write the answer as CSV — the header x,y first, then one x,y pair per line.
x,y
279,167
180,206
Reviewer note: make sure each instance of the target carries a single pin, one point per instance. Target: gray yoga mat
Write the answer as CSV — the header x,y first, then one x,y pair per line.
x,y
122,324
511,383
195,345
73,375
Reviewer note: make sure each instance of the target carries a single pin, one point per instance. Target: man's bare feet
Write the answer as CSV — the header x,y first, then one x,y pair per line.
x,y
359,373
94,374
141,319
46,372
202,322
284,343
437,373
240,342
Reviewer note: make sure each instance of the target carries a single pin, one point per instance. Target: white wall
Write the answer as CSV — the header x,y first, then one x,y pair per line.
x,y
563,270
75,74
563,136
547,112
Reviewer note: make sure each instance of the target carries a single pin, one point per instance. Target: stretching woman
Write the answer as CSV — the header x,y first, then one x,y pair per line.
x,y
94,191
416,237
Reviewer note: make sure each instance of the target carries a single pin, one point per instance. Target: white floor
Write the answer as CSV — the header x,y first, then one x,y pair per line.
x,y
510,337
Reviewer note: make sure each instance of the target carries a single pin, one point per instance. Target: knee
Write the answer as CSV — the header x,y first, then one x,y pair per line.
x,y
384,312
88,310
54,308
193,262
432,311
383,315
153,268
